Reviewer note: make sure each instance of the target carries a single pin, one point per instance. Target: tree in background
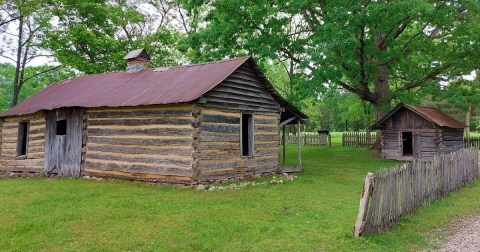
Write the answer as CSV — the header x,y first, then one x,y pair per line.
x,y
374,49
90,36
31,85
93,36
23,24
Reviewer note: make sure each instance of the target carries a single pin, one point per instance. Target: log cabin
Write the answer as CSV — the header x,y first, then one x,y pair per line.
x,y
187,124
409,132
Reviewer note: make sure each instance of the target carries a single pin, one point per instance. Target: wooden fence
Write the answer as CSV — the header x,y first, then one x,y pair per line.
x,y
311,139
473,142
392,193
358,139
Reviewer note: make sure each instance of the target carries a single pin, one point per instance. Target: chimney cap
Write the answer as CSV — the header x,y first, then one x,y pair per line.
x,y
137,54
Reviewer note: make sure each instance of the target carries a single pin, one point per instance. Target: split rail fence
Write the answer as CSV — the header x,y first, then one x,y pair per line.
x,y
310,139
358,139
392,193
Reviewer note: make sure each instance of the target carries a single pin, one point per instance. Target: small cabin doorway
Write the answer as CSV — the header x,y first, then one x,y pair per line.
x,y
407,143
63,142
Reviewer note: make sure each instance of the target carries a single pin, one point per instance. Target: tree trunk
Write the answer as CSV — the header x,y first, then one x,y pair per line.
x,y
381,87
18,66
467,122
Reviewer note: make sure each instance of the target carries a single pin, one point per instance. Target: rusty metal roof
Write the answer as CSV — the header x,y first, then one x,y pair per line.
x,y
147,87
431,114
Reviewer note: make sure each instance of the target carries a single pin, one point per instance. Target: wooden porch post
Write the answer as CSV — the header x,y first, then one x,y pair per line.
x,y
284,140
299,143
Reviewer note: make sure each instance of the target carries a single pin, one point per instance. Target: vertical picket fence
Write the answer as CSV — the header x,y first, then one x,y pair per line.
x,y
473,142
358,139
311,139
391,193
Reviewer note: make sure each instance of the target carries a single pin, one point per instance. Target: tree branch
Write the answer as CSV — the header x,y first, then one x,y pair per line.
x,y
40,73
430,76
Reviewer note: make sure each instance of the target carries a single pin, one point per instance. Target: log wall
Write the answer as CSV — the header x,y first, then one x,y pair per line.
x,y
452,140
391,144
33,161
426,143
242,90
148,143
429,143
218,151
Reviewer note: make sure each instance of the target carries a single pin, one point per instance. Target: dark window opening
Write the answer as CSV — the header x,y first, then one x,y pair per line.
x,y
246,142
407,143
61,128
22,139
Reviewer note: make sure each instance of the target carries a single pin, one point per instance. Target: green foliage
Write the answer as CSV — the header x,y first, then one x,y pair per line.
x,y
86,35
349,44
93,36
32,85
6,85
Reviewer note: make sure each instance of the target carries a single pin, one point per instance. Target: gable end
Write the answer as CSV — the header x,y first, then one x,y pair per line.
x,y
243,90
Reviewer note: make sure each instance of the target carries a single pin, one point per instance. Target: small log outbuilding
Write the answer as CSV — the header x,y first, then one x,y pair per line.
x,y
203,122
410,131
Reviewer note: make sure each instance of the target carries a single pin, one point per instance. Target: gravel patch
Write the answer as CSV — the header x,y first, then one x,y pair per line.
x,y
466,238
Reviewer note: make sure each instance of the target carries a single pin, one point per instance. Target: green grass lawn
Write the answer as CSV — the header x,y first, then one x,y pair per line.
x,y
315,212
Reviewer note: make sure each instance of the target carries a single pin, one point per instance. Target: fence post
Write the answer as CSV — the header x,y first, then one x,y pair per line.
x,y
362,212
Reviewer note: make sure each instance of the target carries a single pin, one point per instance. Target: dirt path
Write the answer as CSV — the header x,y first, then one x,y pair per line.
x,y
464,237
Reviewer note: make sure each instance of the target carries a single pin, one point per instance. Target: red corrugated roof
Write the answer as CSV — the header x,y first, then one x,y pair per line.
x,y
437,117
431,114
116,89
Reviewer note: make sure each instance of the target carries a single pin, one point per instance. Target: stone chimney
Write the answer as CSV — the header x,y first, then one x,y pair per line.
x,y
137,60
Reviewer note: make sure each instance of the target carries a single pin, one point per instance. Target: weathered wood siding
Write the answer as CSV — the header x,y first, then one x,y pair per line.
x,y
242,90
218,149
153,142
427,143
391,144
407,119
426,136
63,154
35,145
452,140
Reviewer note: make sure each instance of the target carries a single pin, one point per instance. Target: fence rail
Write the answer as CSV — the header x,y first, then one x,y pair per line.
x,y
310,139
392,193
358,139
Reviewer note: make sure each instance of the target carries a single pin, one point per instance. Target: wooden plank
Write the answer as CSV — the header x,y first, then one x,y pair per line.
x,y
216,118
139,141
135,168
139,113
161,161
223,128
139,176
141,121
141,149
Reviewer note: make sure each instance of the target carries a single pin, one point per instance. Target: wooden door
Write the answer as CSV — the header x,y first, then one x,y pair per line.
x,y
417,144
60,149
63,142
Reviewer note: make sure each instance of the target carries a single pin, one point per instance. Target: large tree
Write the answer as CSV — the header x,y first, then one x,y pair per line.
x,y
94,35
374,49
23,23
